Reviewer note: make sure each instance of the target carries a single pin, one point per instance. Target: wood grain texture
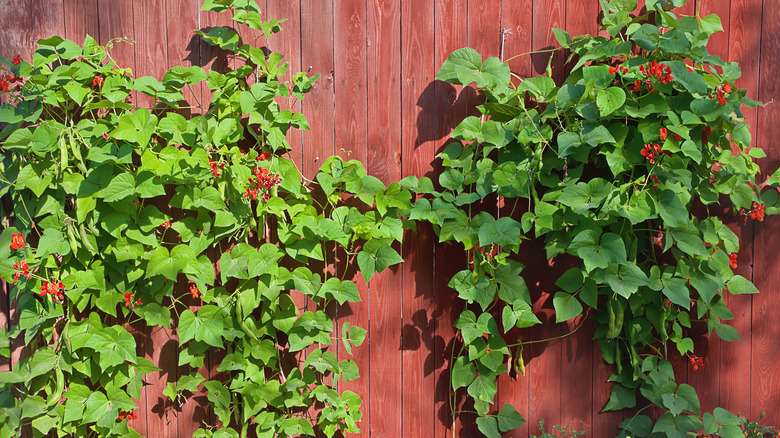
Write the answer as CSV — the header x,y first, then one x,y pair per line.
x,y
378,99
765,369
544,366
383,108
576,349
288,43
450,108
418,72
351,134
81,19
183,46
317,58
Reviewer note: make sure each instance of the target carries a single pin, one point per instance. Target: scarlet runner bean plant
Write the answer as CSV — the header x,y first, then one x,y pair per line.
x,y
123,217
620,172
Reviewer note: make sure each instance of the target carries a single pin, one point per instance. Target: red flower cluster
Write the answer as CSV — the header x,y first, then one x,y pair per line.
x,y
17,241
127,414
262,182
215,168
757,212
618,69
98,81
658,239
733,260
194,291
704,133
721,92
652,179
17,60
166,224
652,150
696,361
7,80
665,133
129,298
264,156
661,71
22,268
53,288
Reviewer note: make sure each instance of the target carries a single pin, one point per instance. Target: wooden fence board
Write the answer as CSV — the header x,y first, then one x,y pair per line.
x,y
383,108
317,57
517,39
765,369
377,98
417,72
450,108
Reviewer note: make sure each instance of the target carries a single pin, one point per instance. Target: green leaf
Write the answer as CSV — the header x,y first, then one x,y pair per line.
x,y
508,418
741,285
168,265
463,372
566,306
115,346
483,388
488,426
610,100
538,87
461,67
620,398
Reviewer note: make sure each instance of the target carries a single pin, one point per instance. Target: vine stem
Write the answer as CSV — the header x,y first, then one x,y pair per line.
x,y
537,341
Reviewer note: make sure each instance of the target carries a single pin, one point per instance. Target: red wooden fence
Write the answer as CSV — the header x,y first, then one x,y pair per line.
x,y
377,101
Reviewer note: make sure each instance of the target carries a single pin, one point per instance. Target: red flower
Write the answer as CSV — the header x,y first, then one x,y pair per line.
x,y
166,224
53,288
215,168
727,88
612,70
17,60
21,269
733,260
696,361
129,297
677,137
105,135
127,414
97,81
264,156
757,212
194,291
17,241
637,85
664,133
658,239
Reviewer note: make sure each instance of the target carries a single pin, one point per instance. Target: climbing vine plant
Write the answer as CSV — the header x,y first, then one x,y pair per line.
x,y
620,171
118,216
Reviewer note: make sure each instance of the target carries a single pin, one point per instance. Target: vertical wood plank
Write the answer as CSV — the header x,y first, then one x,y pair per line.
x,y
160,344
288,43
765,370
516,28
383,56
418,71
317,57
545,361
451,107
710,380
576,396
115,22
484,27
351,135
184,46
548,15
81,19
